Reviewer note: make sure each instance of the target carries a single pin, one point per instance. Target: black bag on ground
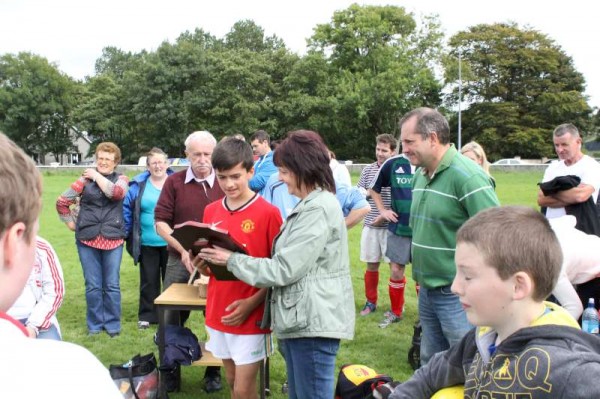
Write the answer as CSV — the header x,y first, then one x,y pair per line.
x,y
138,378
356,381
181,347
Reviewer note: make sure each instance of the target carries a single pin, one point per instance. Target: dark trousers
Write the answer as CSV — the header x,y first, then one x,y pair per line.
x,y
590,289
176,273
153,265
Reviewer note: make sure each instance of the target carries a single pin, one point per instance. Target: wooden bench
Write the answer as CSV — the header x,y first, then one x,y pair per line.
x,y
180,297
207,358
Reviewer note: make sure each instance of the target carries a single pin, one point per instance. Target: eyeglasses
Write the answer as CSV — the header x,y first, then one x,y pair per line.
x,y
157,163
105,159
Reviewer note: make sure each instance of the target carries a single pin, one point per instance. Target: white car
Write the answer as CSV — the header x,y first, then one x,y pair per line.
x,y
508,161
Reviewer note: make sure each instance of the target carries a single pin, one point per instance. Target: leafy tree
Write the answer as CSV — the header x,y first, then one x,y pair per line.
x,y
244,92
115,62
35,104
167,91
99,111
362,38
380,63
248,81
249,36
196,83
200,39
105,109
518,85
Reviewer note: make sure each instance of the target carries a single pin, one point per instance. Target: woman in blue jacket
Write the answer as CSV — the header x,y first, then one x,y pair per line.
x,y
143,243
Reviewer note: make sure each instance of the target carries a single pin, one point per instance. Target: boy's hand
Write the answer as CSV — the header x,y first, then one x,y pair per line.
x,y
202,266
240,310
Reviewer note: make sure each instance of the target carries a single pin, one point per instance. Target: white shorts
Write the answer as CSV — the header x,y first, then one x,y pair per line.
x,y
373,243
241,348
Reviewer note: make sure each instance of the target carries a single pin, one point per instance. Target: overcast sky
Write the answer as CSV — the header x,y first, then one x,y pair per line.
x,y
72,33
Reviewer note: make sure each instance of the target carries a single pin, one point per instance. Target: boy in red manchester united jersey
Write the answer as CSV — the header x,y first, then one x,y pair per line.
x,y
234,309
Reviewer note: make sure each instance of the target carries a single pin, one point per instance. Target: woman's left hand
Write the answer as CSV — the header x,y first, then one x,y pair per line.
x,y
215,256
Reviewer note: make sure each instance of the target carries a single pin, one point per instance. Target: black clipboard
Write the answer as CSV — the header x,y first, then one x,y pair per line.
x,y
194,236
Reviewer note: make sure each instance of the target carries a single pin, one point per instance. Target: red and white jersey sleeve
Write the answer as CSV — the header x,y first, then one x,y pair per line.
x,y
44,292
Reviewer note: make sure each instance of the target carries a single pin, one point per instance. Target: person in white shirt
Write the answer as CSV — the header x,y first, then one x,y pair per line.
x,y
567,143
34,368
43,294
581,263
341,174
572,162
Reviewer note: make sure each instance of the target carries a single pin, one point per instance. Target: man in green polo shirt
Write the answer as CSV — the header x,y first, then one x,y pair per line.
x,y
447,190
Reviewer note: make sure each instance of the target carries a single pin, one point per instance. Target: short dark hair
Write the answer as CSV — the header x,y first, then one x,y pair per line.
x,y
429,120
512,239
261,136
275,144
305,154
231,152
387,139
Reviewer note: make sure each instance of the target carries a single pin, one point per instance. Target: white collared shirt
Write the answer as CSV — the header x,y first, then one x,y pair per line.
x,y
210,179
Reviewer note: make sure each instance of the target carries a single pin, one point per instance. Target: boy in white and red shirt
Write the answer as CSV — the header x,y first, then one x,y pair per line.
x,y
34,368
234,309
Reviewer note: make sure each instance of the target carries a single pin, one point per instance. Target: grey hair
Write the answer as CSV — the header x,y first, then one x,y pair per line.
x,y
201,135
565,128
429,120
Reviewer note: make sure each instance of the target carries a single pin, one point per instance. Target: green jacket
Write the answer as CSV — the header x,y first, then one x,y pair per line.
x,y
309,272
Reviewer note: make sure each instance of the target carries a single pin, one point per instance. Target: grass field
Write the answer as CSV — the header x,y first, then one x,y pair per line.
x,y
385,350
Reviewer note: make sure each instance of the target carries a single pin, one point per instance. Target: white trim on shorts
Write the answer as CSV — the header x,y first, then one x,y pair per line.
x,y
241,348
373,244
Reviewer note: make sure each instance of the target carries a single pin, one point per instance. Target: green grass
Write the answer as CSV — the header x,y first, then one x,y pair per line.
x,y
385,350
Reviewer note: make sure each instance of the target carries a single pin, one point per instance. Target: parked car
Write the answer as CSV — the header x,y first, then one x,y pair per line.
x,y
178,162
508,161
172,161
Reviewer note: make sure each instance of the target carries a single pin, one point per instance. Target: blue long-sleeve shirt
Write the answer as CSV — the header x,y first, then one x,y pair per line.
x,y
263,169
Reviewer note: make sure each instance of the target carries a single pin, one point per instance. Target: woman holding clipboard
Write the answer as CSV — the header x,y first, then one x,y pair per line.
x,y
311,304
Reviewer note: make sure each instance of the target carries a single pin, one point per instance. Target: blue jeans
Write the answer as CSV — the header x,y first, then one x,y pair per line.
x,y
102,291
443,320
51,333
310,364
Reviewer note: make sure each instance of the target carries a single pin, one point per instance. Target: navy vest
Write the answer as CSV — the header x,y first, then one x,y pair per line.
x,y
98,214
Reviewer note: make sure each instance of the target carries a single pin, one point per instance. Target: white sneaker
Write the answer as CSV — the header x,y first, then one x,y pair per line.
x,y
389,319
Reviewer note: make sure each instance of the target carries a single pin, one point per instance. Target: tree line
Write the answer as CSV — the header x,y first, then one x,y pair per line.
x,y
361,72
